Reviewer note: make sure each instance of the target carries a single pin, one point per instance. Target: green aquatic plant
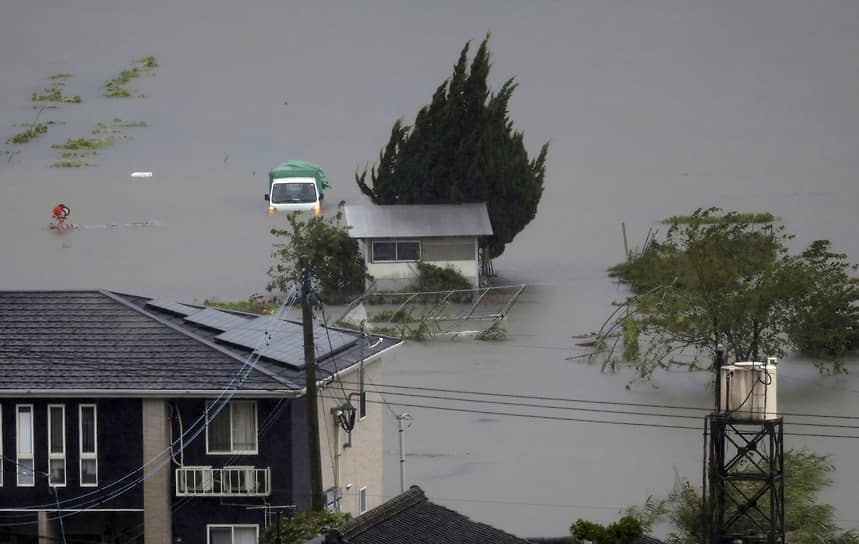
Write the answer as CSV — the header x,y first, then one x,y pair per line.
x,y
84,143
115,87
70,164
36,130
495,333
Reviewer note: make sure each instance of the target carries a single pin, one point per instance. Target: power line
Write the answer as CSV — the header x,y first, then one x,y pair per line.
x,y
585,420
588,401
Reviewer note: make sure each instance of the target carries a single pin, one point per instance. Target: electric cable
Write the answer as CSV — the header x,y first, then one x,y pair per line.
x,y
584,420
585,401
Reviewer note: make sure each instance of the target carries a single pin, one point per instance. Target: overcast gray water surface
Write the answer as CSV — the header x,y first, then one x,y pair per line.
x,y
652,109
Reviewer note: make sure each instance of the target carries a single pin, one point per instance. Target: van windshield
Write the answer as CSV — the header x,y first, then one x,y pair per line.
x,y
284,193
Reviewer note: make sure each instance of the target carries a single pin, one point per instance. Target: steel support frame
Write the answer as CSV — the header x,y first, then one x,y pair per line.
x,y
746,465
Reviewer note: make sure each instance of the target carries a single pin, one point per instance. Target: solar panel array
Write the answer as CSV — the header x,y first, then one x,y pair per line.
x,y
172,306
277,339
217,319
284,342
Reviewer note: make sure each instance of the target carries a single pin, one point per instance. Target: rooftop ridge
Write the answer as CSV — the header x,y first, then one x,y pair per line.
x,y
404,501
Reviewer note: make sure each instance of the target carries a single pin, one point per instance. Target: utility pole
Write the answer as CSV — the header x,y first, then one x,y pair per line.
x,y
400,418
317,503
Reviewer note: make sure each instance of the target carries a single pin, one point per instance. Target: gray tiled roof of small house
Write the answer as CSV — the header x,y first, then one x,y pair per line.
x,y
105,342
410,518
418,220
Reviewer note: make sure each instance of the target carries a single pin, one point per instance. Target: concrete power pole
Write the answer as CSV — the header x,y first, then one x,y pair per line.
x,y
317,503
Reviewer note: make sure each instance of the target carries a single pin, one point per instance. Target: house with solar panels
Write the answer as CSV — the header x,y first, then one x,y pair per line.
x,y
394,238
138,420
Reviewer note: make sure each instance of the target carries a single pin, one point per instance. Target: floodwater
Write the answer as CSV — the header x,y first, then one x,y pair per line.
x,y
652,110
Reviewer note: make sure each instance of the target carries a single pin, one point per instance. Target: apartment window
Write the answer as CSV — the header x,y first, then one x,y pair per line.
x,y
233,430
24,444
362,500
56,445
397,251
88,443
232,534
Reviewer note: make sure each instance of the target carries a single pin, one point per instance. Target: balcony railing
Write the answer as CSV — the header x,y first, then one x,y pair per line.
x,y
237,481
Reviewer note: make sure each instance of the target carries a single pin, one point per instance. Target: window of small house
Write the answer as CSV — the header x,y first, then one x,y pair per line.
x,y
396,251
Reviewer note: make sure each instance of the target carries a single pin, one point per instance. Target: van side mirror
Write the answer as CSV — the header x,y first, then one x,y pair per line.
x,y
266,197
321,196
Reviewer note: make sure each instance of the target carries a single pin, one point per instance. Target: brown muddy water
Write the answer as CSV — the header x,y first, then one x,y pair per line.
x,y
652,110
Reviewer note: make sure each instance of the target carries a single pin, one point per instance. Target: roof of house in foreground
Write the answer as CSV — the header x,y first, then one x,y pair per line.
x,y
418,220
410,518
102,342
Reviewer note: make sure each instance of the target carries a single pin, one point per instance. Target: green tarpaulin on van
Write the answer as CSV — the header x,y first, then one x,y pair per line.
x,y
299,169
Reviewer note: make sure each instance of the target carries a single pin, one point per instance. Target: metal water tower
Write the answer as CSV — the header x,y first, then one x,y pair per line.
x,y
745,464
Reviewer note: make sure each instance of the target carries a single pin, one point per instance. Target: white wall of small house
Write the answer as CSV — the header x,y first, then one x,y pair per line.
x,y
457,252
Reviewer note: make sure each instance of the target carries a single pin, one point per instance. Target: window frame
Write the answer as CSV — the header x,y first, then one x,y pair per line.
x,y
18,456
228,409
396,258
232,527
362,500
54,456
87,456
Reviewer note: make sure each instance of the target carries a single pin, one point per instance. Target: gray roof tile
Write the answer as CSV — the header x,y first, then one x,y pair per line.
x,y
102,342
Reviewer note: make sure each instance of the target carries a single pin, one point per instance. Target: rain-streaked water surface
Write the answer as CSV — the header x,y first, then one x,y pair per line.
x,y
652,110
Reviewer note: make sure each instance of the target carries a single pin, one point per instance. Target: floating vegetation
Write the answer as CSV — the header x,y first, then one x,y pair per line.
x,y
70,164
54,93
84,143
713,219
116,127
76,154
31,133
495,333
115,88
103,135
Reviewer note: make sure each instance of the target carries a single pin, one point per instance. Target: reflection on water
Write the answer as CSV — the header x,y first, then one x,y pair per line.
x,y
641,129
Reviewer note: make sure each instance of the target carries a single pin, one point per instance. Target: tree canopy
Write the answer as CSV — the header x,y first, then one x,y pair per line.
x,y
303,527
323,243
807,520
734,283
463,148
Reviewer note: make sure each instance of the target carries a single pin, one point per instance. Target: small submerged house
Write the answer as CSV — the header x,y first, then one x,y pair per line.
x,y
394,238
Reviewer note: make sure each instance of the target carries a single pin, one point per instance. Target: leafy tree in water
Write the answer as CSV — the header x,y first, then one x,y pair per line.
x,y
303,527
333,258
626,530
735,283
462,148
807,521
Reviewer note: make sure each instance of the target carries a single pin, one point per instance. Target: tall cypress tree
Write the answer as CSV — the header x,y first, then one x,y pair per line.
x,y
462,148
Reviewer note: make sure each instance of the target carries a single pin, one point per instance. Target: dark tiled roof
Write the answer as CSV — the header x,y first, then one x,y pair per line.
x,y
410,518
101,341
